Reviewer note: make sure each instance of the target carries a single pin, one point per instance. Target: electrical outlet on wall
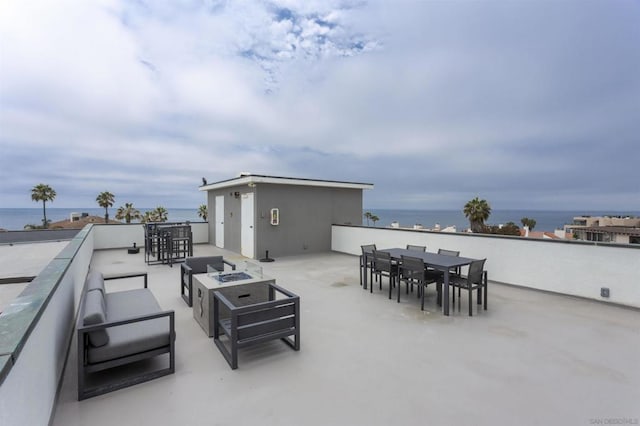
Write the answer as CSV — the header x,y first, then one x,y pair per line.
x,y
604,291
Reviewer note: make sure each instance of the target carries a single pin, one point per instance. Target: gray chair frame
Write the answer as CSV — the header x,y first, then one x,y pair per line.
x,y
438,276
366,260
416,248
256,323
448,252
178,244
412,271
384,266
476,279
198,265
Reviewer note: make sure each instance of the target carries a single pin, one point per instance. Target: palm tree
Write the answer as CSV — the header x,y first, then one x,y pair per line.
x,y
105,199
374,219
127,213
368,216
148,217
159,214
531,223
477,211
202,211
44,193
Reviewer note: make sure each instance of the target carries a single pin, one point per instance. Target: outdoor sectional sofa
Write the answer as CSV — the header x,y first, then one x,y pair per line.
x,y
117,329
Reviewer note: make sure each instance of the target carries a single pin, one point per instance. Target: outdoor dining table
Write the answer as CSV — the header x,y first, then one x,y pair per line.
x,y
436,261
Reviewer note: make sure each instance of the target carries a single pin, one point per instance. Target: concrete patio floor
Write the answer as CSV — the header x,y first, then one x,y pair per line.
x,y
532,358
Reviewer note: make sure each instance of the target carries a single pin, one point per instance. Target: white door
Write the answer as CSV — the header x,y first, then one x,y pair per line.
x,y
246,225
219,221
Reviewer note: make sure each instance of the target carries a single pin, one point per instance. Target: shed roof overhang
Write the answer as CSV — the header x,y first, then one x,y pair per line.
x,y
251,180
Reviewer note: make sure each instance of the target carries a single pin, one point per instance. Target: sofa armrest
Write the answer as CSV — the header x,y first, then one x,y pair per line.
x,y
233,265
133,319
127,275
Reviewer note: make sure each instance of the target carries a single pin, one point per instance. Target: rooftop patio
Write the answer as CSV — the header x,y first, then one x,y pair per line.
x,y
532,358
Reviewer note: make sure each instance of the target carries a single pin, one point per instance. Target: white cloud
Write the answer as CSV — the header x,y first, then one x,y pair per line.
x,y
480,95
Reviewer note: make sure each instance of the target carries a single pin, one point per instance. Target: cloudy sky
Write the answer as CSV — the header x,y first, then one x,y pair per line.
x,y
528,104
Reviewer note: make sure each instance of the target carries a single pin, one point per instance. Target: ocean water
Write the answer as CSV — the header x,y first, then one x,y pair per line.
x,y
14,219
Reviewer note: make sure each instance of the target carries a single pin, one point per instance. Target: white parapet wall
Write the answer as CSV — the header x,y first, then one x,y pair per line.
x,y
37,327
568,267
45,313
121,236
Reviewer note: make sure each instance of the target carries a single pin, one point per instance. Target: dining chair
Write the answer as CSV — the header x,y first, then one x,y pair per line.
x,y
366,260
384,266
412,271
476,279
438,276
448,252
456,270
416,248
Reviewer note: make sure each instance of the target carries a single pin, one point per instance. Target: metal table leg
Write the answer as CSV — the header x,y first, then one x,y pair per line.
x,y
445,295
364,270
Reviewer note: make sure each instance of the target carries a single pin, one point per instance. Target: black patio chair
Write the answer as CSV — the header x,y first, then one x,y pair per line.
x,y
438,276
448,252
384,266
179,243
476,279
198,265
366,260
412,271
416,248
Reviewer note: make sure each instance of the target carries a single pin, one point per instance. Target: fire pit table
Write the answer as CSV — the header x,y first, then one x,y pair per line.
x,y
241,288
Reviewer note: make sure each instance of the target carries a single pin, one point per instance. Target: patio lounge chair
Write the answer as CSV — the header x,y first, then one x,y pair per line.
x,y
476,279
198,265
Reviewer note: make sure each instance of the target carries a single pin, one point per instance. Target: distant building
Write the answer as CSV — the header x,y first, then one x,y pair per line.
x,y
525,232
608,229
75,216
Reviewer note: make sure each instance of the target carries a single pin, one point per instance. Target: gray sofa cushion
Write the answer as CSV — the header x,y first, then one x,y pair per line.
x,y
94,313
95,281
133,338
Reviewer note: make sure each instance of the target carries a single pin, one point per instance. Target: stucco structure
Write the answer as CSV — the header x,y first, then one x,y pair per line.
x,y
614,229
242,216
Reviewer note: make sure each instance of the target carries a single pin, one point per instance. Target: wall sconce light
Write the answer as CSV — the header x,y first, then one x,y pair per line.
x,y
236,194
251,184
275,216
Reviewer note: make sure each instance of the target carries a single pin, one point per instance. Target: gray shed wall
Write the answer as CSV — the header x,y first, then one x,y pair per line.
x,y
306,216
